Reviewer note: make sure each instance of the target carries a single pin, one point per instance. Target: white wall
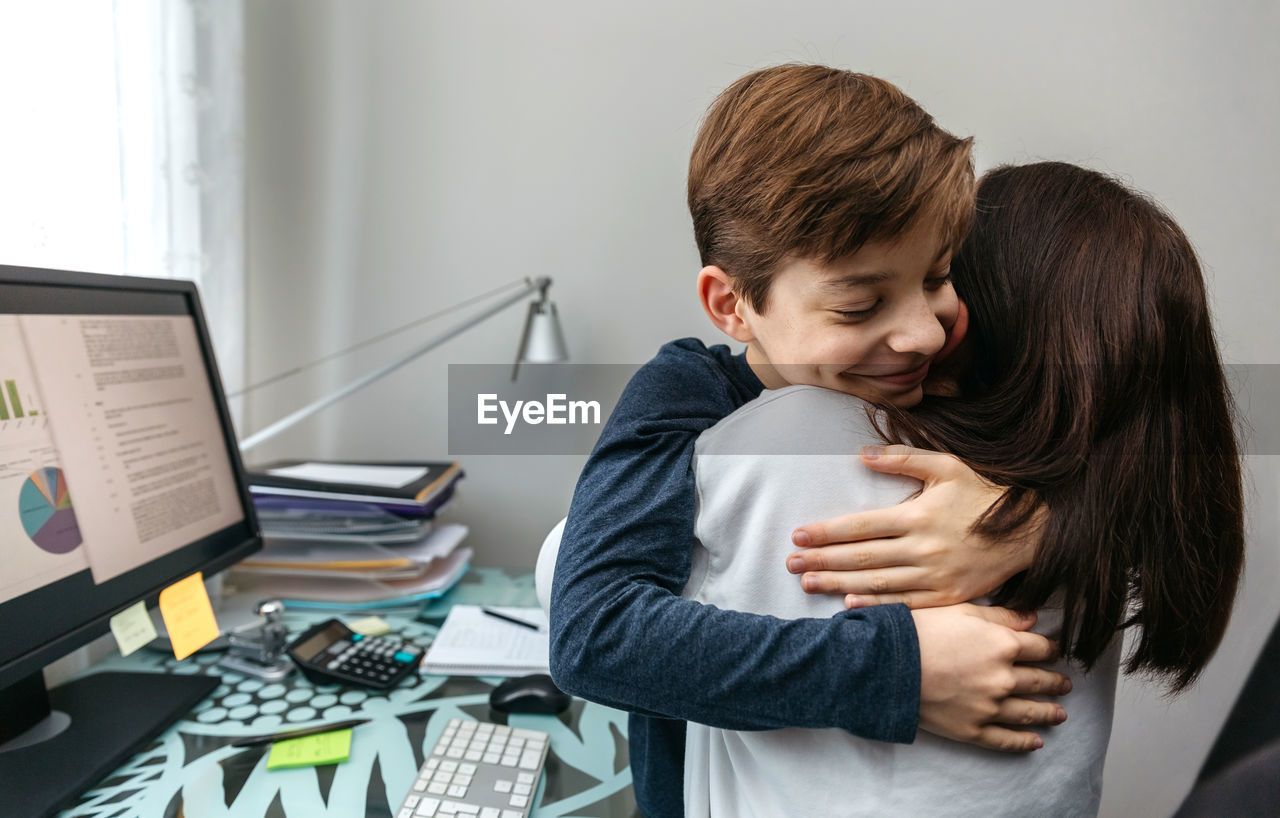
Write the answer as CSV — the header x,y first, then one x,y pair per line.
x,y
405,155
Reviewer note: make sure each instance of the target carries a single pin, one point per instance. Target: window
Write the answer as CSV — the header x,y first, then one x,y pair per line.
x,y
60,201
121,146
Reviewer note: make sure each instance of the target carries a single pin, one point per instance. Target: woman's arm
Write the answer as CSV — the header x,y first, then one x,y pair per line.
x,y
777,461
921,552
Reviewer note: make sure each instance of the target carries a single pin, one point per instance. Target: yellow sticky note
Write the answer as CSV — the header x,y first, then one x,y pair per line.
x,y
308,751
132,628
188,615
370,626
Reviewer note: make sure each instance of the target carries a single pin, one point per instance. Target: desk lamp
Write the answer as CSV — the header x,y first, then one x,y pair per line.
x,y
541,342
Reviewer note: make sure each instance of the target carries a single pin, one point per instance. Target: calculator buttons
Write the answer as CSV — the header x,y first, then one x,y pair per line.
x,y
344,656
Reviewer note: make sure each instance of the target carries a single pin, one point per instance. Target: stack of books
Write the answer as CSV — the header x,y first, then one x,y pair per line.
x,y
354,535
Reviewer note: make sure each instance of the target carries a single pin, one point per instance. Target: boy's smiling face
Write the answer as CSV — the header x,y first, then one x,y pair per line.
x,y
868,325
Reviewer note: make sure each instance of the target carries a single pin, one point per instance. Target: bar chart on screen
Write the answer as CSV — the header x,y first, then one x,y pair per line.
x,y
20,405
11,401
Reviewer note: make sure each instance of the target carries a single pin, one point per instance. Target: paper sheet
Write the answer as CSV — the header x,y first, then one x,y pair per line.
x,y
388,477
138,432
472,643
43,543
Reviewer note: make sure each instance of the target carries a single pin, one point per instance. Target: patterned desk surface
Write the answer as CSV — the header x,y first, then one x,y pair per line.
x,y
190,771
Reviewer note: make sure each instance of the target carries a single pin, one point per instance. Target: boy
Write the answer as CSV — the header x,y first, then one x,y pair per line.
x,y
825,206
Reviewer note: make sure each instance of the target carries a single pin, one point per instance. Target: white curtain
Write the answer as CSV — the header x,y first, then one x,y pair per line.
x,y
180,96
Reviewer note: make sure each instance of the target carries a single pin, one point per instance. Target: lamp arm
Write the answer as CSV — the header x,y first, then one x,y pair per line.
x,y
332,356
292,419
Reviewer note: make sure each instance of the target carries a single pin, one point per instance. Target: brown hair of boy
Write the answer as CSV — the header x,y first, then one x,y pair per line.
x,y
1097,393
810,162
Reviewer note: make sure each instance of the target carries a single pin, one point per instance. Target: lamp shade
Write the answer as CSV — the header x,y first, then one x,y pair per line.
x,y
543,341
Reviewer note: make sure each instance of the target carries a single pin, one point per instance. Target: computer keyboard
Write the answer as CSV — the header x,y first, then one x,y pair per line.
x,y
478,769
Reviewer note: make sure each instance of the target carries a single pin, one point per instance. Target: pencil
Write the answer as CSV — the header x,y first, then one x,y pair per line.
x,y
512,619
271,738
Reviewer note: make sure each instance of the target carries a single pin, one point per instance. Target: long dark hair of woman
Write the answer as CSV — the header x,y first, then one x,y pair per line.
x,y
1097,390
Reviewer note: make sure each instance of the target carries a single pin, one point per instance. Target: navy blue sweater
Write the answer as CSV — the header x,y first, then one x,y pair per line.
x,y
622,635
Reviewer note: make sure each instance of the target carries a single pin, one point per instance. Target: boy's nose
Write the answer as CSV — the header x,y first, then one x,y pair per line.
x,y
919,332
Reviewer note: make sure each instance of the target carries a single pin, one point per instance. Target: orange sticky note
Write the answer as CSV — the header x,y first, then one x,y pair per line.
x,y
188,615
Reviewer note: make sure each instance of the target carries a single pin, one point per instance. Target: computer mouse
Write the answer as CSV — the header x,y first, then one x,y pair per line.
x,y
529,694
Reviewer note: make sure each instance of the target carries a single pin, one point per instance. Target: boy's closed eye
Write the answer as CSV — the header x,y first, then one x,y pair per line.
x,y
935,281
940,275
859,313
939,280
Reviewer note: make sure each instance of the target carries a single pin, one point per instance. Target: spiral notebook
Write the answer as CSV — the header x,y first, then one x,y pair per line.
x,y
472,643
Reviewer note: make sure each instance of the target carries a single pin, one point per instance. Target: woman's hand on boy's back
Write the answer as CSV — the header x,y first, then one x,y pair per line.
x,y
921,552
974,680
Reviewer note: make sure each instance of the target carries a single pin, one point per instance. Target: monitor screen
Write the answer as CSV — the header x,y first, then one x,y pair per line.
x,y
119,475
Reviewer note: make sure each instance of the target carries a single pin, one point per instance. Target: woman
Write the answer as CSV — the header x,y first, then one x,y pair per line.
x,y
1095,393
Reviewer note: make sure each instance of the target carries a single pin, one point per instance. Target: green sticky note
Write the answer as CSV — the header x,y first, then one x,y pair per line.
x,y
309,751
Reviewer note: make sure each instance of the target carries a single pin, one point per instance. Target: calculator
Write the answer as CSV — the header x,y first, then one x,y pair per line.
x,y
333,653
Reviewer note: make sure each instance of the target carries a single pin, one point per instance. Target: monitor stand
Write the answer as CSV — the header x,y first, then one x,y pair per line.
x,y
111,716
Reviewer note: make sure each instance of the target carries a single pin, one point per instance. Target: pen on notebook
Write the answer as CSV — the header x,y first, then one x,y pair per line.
x,y
514,620
271,738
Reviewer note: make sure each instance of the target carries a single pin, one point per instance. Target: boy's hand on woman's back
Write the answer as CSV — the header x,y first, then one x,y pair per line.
x,y
973,682
920,552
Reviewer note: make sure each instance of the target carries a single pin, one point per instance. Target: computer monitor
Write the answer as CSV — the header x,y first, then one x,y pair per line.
x,y
119,475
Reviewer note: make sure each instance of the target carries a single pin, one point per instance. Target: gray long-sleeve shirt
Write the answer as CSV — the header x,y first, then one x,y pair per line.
x,y
622,635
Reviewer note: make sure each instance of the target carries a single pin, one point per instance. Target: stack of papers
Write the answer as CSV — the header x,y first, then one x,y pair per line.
x,y
472,643
412,489
342,559
352,535
329,574
341,522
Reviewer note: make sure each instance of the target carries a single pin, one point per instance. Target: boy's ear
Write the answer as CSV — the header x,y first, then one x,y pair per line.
x,y
722,304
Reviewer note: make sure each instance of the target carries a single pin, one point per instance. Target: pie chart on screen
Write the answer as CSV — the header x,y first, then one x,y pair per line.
x,y
44,506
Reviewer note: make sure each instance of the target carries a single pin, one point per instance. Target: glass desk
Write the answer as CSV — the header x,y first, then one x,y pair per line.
x,y
190,771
